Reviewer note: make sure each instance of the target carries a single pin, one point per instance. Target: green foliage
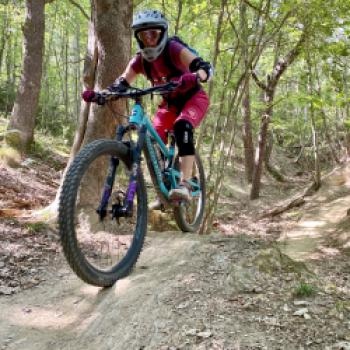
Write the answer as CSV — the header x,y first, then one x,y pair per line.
x,y
50,149
347,123
304,290
36,227
9,156
327,48
7,97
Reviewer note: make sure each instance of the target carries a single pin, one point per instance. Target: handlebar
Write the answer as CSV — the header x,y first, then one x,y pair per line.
x,y
133,92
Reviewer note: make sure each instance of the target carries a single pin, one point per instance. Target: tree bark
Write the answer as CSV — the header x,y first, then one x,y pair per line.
x,y
108,52
24,110
112,22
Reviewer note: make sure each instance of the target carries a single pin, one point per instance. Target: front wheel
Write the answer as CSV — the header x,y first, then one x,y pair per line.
x,y
189,216
101,248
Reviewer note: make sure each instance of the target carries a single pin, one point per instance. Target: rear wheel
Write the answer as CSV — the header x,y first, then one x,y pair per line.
x,y
101,251
189,216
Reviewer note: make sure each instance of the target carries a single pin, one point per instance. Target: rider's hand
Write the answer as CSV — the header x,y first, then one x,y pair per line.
x,y
187,82
89,96
92,96
120,85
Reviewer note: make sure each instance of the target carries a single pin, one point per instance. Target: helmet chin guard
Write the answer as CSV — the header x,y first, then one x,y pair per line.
x,y
151,19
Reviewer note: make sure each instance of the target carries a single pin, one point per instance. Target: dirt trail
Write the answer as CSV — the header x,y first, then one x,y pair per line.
x,y
65,313
318,222
187,292
223,291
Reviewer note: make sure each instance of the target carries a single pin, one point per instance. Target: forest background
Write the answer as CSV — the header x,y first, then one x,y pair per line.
x,y
280,87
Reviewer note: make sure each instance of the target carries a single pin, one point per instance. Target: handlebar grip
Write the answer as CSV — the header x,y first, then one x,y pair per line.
x,y
100,100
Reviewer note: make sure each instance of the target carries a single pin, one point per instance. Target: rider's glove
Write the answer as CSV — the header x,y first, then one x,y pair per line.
x,y
187,82
89,96
120,85
92,96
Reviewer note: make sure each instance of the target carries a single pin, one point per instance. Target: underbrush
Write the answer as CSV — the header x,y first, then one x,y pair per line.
x,y
48,149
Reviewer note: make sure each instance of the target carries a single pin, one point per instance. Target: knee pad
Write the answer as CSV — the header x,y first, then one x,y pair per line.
x,y
183,131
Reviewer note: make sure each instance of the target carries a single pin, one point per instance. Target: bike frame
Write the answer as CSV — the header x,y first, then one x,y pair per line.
x,y
146,133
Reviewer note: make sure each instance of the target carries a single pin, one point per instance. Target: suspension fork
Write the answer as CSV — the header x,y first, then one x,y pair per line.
x,y
136,151
109,182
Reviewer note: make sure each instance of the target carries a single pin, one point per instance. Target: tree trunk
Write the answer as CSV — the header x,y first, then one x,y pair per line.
x,y
246,112
24,110
247,133
324,120
223,158
315,143
112,21
4,35
260,152
178,17
215,56
269,167
269,88
108,52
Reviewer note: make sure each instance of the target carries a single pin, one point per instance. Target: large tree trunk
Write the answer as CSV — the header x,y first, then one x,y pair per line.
x,y
112,21
113,37
108,52
24,110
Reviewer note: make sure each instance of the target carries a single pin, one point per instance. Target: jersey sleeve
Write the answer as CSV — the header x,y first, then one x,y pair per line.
x,y
175,49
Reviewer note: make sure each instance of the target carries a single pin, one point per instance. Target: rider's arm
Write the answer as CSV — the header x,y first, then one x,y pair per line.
x,y
123,82
129,74
196,64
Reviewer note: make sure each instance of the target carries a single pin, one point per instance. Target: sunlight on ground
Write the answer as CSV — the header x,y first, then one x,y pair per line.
x,y
308,239
300,249
122,286
242,190
90,290
311,224
40,317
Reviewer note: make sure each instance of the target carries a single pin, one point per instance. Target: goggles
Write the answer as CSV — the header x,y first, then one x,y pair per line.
x,y
149,35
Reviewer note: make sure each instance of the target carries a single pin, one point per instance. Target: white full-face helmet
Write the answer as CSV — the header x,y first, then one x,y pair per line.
x,y
146,20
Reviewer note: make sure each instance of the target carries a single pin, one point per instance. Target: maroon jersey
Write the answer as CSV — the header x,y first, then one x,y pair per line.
x,y
159,70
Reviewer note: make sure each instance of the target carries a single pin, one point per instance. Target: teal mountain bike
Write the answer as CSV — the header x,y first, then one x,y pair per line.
x,y
103,203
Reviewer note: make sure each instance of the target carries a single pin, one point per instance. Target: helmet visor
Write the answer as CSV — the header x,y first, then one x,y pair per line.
x,y
149,37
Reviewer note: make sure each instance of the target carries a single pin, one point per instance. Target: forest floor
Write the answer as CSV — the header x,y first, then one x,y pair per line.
x,y
256,282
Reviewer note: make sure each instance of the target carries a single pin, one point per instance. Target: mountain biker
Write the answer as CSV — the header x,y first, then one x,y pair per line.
x,y
162,60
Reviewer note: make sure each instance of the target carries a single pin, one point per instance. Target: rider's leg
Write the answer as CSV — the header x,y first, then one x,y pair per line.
x,y
163,121
183,131
190,116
